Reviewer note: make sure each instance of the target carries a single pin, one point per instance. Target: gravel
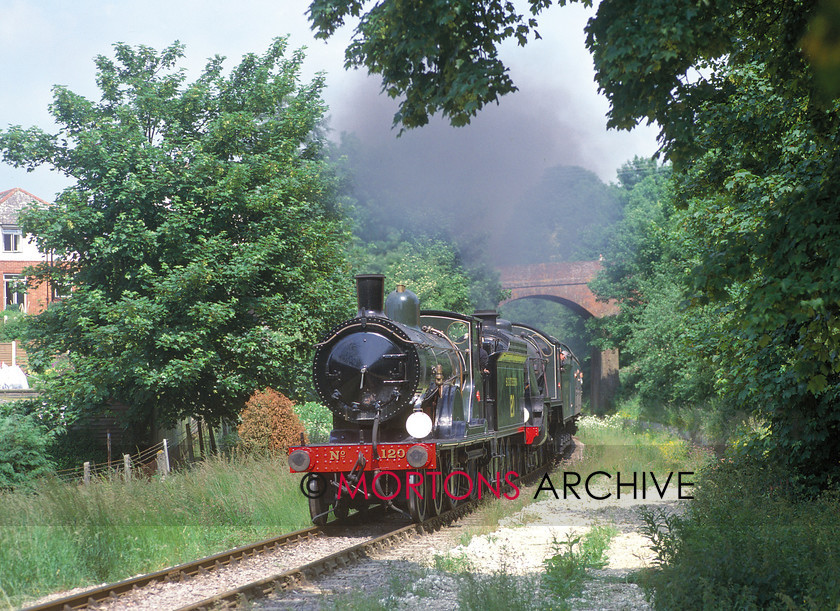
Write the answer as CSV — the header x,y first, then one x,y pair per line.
x,y
410,576
405,578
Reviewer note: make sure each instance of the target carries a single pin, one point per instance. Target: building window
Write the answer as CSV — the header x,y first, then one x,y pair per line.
x,y
11,240
15,292
59,291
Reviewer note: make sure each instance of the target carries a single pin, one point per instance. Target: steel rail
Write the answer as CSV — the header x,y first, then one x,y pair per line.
x,y
176,573
262,588
244,595
267,586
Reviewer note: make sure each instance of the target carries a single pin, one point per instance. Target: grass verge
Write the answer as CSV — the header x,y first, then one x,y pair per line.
x,y
58,536
747,542
613,445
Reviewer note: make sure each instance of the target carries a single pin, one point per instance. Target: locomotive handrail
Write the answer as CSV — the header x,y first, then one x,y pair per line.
x,y
342,327
539,350
461,364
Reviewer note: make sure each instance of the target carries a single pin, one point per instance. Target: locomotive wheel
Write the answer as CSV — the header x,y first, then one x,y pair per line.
x,y
438,499
417,505
497,465
506,459
452,485
341,510
511,458
472,472
318,511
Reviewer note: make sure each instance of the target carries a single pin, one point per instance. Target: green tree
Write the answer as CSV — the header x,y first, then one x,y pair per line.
x,y
200,246
761,201
439,55
754,141
639,246
666,355
430,268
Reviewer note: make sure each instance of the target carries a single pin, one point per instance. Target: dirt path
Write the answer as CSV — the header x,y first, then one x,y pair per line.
x,y
524,540
424,575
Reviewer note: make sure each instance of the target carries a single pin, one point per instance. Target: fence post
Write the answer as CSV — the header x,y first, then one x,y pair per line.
x,y
160,463
190,448
127,465
86,476
162,460
213,448
201,449
166,455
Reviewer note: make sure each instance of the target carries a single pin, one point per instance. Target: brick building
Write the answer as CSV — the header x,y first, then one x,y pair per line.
x,y
18,252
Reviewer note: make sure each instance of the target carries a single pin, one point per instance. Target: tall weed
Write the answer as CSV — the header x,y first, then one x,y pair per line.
x,y
478,590
566,570
58,536
749,542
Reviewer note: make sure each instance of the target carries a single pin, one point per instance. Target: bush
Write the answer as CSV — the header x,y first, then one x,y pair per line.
x,y
269,423
73,446
23,450
749,541
317,420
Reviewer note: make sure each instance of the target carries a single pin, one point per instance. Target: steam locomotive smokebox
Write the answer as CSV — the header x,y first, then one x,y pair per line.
x,y
370,293
403,306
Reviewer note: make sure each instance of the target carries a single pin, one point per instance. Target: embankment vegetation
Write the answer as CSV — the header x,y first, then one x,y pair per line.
x,y
749,540
56,536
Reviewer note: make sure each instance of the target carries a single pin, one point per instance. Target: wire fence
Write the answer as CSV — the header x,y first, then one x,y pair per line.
x,y
148,462
192,440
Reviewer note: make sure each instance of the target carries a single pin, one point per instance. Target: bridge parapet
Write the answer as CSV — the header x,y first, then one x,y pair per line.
x,y
568,283
563,282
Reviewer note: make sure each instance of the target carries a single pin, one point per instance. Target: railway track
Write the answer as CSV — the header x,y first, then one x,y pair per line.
x,y
351,550
244,595
117,595
180,572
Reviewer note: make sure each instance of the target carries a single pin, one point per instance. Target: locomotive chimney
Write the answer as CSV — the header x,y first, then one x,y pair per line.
x,y
370,293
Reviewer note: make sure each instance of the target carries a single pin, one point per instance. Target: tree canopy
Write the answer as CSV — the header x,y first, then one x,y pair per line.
x,y
430,268
441,55
199,250
754,139
742,93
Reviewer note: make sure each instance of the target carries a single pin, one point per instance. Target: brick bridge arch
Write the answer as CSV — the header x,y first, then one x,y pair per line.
x,y
567,284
